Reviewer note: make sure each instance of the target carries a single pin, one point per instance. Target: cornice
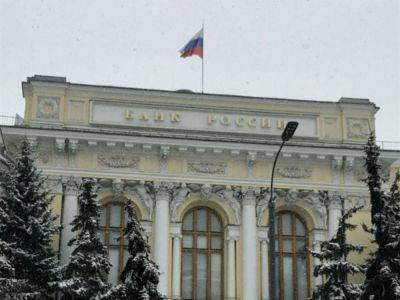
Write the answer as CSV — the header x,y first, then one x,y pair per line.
x,y
189,96
185,178
196,140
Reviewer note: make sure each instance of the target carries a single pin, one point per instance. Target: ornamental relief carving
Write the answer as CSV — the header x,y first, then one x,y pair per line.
x,y
294,172
217,168
357,128
48,108
117,161
44,157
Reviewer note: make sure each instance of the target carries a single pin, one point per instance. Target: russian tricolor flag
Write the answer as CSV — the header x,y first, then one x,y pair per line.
x,y
194,46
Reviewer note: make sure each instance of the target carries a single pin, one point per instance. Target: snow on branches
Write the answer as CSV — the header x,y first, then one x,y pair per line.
x,y
383,270
84,277
334,264
26,228
140,275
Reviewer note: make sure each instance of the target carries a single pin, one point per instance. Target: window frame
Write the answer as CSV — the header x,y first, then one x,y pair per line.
x,y
107,229
194,233
280,237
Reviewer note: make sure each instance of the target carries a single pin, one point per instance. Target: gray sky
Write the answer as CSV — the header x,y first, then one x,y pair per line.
x,y
312,49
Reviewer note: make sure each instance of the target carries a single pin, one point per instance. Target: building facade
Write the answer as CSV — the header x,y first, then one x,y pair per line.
x,y
197,168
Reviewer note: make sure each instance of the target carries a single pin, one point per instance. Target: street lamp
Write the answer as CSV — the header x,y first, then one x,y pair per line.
x,y
286,136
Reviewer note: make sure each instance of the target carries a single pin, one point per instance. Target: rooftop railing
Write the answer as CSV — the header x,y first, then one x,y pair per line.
x,y
18,120
11,120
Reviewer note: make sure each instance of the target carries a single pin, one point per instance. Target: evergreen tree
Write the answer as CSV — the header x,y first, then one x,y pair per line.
x,y
26,228
140,275
84,275
383,273
10,287
334,264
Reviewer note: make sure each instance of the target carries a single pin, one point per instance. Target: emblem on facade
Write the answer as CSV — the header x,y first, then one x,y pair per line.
x,y
294,172
48,108
357,128
218,168
117,161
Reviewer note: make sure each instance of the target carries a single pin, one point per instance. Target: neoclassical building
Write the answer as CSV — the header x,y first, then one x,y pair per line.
x,y
197,167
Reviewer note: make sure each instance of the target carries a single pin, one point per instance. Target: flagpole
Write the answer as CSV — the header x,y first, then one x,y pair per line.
x,y
202,65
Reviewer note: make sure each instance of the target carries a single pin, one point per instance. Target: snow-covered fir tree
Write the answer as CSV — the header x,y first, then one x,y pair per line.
x,y
26,227
334,264
10,286
84,277
383,270
140,276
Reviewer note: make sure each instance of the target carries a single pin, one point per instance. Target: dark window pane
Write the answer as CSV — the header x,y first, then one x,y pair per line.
x,y
202,220
188,222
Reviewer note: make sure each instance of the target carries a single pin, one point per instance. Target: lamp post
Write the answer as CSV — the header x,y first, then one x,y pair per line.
x,y
286,136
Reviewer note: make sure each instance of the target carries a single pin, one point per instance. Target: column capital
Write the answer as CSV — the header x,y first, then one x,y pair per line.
x,y
249,195
163,190
71,185
232,232
335,200
55,185
175,230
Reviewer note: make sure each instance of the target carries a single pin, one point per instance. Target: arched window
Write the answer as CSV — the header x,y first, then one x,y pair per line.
x,y
112,224
202,255
291,259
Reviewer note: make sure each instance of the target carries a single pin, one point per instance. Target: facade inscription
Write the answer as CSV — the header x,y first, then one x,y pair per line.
x,y
136,115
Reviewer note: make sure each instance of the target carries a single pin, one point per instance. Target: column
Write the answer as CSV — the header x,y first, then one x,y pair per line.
x,y
161,234
334,213
176,267
318,237
249,245
232,233
56,208
264,270
69,211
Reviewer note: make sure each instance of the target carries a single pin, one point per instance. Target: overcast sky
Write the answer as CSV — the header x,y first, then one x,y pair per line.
x,y
314,49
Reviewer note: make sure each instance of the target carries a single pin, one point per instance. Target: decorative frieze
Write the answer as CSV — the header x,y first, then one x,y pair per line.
x,y
262,205
117,161
146,197
214,168
312,197
294,172
179,197
231,197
